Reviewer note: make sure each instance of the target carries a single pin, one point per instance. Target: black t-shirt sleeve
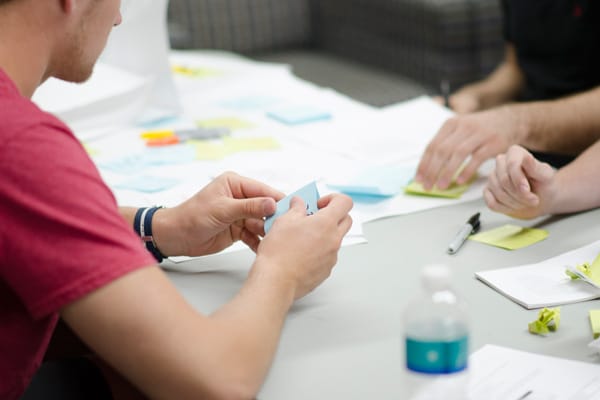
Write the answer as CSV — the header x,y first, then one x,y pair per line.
x,y
506,20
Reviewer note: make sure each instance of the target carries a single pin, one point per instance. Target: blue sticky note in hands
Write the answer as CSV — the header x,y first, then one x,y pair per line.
x,y
310,195
295,115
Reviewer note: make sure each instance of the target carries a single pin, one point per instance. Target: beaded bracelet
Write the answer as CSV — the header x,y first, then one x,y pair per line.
x,y
142,223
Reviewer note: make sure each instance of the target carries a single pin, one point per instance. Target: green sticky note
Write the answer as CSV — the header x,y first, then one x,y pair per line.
x,y
595,321
511,237
548,321
232,123
454,191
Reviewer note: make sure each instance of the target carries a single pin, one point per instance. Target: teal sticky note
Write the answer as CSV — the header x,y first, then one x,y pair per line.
x,y
310,195
295,115
168,155
148,184
384,181
250,103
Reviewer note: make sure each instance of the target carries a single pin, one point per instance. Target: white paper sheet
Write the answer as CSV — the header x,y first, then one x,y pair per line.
x,y
545,284
499,373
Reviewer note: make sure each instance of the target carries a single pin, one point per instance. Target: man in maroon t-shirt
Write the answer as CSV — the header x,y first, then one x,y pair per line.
x,y
73,271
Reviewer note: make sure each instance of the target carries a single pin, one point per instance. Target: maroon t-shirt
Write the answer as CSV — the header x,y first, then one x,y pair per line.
x,y
61,234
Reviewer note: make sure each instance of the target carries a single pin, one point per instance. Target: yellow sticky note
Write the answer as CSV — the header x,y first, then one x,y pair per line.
x,y
233,144
206,150
231,123
90,150
511,237
194,72
548,320
595,321
454,191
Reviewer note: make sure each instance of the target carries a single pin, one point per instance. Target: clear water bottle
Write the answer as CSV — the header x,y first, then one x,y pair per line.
x,y
436,339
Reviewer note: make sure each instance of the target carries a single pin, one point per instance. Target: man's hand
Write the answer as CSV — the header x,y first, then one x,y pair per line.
x,y
228,209
302,249
468,139
520,186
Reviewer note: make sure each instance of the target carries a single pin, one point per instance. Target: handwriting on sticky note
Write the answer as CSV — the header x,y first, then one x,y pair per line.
x,y
510,237
308,193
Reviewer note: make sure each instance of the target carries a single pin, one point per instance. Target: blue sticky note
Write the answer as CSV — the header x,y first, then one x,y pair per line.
x,y
167,155
295,115
310,195
250,103
148,184
384,181
125,165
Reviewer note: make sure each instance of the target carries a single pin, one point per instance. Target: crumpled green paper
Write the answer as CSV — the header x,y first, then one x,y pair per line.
x,y
548,320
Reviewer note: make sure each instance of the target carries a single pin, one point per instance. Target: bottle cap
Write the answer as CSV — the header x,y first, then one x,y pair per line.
x,y
436,276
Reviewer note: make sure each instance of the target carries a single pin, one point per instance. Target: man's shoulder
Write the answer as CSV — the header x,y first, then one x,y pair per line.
x,y
19,114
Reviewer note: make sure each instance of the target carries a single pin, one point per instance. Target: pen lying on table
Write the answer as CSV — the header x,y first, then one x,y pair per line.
x,y
472,226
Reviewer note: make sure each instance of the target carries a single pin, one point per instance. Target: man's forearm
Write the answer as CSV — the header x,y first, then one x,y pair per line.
x,y
577,184
501,86
565,126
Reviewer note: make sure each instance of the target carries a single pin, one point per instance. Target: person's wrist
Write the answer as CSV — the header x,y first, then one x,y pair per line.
x,y
273,274
143,225
165,237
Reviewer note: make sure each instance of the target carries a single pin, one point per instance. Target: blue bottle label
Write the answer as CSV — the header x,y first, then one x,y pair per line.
x,y
437,357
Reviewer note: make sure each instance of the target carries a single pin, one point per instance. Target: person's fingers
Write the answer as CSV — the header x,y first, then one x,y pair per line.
x,y
435,155
493,204
345,225
537,170
297,206
501,195
519,178
255,226
250,239
461,152
243,187
232,210
336,206
438,99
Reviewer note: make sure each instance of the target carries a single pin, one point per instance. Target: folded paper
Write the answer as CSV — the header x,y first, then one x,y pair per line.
x,y
510,237
548,320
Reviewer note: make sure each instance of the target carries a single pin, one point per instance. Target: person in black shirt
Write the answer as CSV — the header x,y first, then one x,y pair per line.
x,y
545,95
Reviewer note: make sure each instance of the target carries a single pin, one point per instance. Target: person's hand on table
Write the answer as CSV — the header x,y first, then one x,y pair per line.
x,y
467,139
520,186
